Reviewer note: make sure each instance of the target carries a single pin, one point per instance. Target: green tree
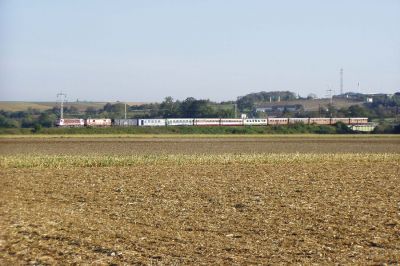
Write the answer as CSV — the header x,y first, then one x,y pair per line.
x,y
169,108
7,122
357,111
47,120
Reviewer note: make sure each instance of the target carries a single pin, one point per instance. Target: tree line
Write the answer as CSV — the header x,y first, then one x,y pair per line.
x,y
381,108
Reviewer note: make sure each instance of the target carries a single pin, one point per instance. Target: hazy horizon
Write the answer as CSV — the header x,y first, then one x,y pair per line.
x,y
143,51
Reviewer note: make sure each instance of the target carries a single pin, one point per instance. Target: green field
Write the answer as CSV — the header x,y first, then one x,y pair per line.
x,y
178,136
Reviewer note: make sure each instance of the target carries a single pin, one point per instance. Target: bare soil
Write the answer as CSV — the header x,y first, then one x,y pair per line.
x,y
188,145
322,211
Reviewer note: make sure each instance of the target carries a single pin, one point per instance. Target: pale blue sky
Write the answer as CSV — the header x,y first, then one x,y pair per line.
x,y
146,50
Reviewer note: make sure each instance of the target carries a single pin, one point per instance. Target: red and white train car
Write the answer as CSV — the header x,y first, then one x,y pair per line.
x,y
320,121
98,122
343,120
359,120
231,122
296,120
207,122
277,121
70,122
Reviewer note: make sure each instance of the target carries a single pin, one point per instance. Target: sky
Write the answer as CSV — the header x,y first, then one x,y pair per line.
x,y
145,50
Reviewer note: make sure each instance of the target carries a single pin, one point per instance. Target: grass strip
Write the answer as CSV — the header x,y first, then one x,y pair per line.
x,y
161,136
67,161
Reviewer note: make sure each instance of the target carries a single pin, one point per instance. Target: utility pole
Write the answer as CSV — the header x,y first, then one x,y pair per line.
x,y
125,111
235,106
62,96
329,95
341,81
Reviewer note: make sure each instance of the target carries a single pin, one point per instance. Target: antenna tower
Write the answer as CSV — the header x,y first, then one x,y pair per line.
x,y
62,96
341,81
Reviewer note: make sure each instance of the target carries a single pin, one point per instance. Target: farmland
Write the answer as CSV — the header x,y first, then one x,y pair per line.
x,y
198,144
193,200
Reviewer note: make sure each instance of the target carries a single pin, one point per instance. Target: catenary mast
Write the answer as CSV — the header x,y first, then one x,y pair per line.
x,y
62,96
341,81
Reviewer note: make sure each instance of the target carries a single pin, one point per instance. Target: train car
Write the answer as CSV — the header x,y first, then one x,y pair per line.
x,y
320,121
296,120
98,122
206,121
255,122
231,122
277,121
344,120
124,122
151,122
70,122
179,121
359,120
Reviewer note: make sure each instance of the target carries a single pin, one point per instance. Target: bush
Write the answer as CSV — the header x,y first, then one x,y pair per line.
x,y
37,128
396,129
342,128
281,129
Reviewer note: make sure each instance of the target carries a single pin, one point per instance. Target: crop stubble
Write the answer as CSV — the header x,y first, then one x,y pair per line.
x,y
214,209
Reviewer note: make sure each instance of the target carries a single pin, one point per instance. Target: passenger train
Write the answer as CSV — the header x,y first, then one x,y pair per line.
x,y
157,122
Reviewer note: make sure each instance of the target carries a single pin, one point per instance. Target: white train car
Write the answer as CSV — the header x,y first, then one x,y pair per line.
x,y
179,121
296,120
207,122
98,122
70,122
231,122
151,122
255,122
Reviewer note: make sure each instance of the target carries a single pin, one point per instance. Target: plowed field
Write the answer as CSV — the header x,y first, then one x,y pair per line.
x,y
190,145
181,206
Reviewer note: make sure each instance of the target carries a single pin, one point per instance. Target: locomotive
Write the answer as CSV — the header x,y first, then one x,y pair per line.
x,y
155,122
